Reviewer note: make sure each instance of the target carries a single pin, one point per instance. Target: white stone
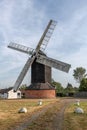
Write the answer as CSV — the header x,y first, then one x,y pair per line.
x,y
40,102
79,110
77,102
23,110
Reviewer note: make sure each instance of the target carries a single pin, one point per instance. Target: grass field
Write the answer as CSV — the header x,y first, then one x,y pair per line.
x,y
75,121
9,116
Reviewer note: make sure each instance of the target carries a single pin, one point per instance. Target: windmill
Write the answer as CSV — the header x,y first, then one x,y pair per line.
x,y
39,62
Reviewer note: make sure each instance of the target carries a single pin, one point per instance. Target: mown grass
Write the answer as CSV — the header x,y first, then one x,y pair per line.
x,y
9,116
74,121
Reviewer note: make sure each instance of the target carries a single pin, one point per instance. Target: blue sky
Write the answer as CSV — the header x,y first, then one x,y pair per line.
x,y
23,22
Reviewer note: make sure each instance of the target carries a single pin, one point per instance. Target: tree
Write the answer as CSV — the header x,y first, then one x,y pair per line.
x,y
23,87
70,90
79,74
83,85
69,87
58,86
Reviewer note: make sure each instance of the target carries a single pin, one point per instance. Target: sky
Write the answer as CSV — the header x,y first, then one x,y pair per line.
x,y
24,21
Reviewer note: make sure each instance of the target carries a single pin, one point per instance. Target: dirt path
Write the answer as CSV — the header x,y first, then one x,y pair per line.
x,y
57,121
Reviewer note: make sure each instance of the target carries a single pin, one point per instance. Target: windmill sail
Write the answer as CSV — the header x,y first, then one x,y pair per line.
x,y
21,48
46,36
53,63
23,73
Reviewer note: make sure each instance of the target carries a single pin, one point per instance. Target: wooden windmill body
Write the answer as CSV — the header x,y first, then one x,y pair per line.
x,y
40,67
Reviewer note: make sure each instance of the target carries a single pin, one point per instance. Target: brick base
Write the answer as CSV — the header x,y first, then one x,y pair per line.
x,y
39,93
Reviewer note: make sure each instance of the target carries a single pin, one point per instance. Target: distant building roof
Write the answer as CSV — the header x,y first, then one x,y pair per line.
x,y
2,91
